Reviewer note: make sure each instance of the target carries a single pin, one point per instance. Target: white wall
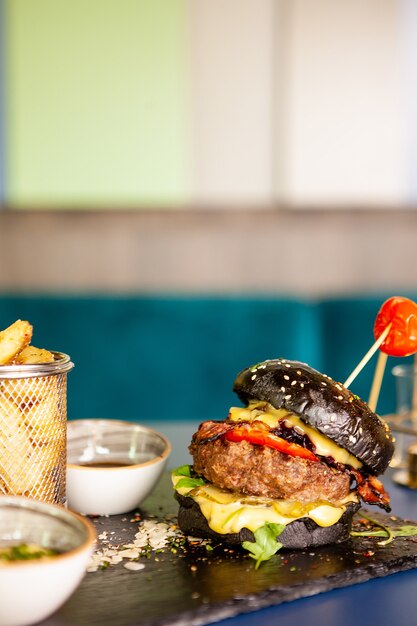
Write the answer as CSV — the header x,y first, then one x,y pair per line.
x,y
232,86
223,103
303,101
346,133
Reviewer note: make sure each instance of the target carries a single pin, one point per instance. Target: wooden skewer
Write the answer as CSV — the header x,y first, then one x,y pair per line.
x,y
414,396
377,381
367,356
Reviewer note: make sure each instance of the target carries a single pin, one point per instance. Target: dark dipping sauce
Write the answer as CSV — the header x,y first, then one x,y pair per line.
x,y
105,464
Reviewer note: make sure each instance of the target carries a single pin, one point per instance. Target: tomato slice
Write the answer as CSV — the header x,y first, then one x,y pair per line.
x,y
401,313
264,438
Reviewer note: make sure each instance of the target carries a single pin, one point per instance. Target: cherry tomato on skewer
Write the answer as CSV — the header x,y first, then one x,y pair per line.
x,y
401,313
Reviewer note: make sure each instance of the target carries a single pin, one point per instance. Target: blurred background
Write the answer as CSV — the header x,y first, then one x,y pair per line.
x,y
190,186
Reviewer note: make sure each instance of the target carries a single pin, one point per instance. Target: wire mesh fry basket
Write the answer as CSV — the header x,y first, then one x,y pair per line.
x,y
33,429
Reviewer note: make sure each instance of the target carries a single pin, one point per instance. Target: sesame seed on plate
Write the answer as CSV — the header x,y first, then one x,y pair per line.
x,y
288,396
253,377
286,377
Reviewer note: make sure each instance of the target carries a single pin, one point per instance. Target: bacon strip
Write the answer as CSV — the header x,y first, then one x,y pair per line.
x,y
371,490
210,430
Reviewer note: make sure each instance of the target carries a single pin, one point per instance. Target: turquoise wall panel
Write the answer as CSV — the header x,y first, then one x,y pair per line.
x,y
175,358
163,358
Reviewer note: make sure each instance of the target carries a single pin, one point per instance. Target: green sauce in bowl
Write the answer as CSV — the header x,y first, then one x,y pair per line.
x,y
24,552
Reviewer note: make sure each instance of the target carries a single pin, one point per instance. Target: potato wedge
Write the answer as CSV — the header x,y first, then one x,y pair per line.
x,y
13,339
14,444
26,391
43,421
26,465
32,356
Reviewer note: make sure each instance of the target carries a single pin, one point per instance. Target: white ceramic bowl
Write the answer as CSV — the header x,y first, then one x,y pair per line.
x,y
32,590
110,490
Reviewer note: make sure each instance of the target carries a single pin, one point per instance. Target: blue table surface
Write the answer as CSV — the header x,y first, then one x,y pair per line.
x,y
387,601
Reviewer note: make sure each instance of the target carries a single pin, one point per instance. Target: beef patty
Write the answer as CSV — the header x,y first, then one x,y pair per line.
x,y
262,471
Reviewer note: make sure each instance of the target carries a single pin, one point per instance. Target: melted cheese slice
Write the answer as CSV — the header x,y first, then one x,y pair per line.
x,y
228,512
264,412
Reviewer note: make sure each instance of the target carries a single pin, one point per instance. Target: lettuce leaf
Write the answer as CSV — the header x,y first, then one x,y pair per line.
x,y
265,544
190,480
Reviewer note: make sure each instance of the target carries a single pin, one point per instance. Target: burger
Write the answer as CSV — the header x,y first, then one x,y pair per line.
x,y
291,466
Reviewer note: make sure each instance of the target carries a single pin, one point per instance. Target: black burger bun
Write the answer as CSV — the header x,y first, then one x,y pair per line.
x,y
302,533
324,404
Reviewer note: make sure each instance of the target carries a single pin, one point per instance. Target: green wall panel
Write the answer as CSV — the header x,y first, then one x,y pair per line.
x,y
96,103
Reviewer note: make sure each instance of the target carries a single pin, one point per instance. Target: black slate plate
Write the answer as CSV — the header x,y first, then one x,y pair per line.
x,y
196,586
